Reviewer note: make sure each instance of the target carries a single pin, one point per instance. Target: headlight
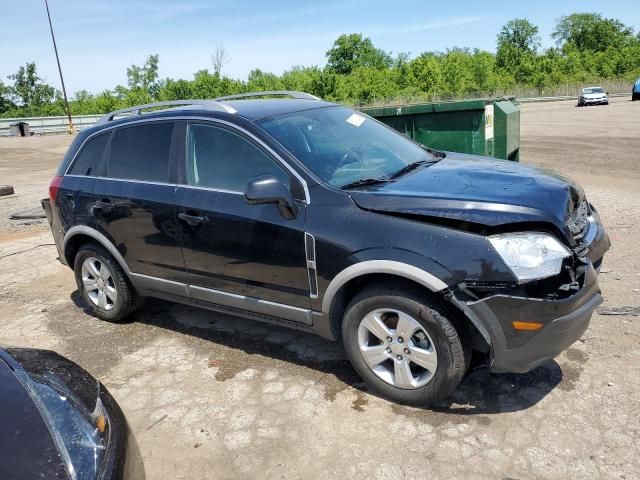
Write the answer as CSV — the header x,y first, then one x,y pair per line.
x,y
530,256
78,434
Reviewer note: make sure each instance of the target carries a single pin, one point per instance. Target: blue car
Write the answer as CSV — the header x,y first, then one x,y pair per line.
x,y
635,93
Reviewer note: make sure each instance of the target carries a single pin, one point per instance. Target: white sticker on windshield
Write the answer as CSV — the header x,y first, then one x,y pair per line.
x,y
356,120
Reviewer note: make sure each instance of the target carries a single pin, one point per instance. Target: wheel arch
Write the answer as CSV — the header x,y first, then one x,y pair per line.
x,y
379,267
81,234
352,279
337,299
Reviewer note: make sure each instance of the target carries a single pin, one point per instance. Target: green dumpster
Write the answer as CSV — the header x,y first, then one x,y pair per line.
x,y
481,127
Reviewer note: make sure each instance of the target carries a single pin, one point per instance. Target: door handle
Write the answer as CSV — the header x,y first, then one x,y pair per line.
x,y
192,220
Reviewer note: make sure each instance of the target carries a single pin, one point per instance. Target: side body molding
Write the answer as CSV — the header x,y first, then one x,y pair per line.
x,y
98,237
380,266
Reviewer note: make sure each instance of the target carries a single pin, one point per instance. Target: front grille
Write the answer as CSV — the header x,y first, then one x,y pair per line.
x,y
578,224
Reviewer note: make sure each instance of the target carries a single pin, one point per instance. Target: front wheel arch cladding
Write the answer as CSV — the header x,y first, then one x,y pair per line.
x,y
388,267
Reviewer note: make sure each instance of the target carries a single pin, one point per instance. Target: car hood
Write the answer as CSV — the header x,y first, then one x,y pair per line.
x,y
593,95
478,190
26,447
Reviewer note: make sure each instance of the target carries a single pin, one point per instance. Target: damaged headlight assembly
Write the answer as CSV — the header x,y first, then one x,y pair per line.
x,y
530,255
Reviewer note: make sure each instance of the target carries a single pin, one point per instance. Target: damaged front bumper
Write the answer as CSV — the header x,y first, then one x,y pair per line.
x,y
564,320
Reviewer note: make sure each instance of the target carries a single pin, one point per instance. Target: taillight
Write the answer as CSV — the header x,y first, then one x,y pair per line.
x,y
54,186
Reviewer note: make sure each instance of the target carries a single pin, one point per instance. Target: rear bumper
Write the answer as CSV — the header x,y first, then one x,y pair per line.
x,y
56,232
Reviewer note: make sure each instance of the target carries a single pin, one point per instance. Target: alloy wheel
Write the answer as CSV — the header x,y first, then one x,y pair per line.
x,y
397,348
98,283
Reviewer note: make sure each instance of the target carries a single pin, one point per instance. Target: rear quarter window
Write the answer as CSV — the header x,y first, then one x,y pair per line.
x,y
88,161
141,152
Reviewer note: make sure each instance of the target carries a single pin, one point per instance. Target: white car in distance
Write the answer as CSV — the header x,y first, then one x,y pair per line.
x,y
593,96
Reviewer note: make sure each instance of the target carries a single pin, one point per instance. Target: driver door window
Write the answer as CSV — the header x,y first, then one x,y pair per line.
x,y
220,159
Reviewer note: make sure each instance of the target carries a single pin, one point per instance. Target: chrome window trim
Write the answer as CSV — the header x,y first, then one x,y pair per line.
x,y
211,189
277,157
127,180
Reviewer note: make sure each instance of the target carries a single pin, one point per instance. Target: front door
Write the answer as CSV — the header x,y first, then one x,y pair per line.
x,y
236,254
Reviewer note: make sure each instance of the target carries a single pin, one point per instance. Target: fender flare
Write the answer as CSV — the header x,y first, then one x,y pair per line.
x,y
98,237
398,269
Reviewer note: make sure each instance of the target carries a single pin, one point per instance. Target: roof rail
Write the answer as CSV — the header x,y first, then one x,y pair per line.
x,y
272,93
137,110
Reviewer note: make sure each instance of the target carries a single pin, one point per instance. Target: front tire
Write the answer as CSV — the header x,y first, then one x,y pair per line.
x,y
103,284
404,346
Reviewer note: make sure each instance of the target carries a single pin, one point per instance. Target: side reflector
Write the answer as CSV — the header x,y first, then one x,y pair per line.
x,y
101,423
530,326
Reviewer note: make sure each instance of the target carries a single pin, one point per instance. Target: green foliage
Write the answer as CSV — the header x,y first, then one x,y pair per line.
x,y
5,98
590,49
144,78
352,51
592,32
28,88
520,34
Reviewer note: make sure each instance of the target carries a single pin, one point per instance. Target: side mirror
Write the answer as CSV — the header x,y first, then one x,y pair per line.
x,y
268,189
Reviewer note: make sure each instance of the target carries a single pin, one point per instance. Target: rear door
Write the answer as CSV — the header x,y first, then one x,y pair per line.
x,y
74,198
234,250
133,199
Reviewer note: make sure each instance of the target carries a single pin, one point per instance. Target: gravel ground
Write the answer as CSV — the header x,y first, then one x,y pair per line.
x,y
213,396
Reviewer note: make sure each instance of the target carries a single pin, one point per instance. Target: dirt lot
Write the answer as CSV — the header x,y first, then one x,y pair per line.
x,y
211,396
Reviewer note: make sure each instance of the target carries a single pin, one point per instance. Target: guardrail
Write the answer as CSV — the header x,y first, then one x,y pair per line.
x,y
564,97
46,125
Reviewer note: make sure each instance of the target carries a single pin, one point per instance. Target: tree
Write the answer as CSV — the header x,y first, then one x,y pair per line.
x,y
5,98
354,50
29,89
518,44
592,32
521,34
175,90
303,79
425,72
144,78
260,81
219,59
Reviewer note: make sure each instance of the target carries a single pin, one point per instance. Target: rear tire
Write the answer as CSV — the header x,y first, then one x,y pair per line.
x,y
426,357
103,284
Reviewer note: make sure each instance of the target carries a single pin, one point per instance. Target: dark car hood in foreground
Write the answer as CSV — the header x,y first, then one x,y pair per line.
x,y
26,447
478,190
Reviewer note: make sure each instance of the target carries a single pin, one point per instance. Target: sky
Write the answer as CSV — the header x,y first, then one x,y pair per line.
x,y
98,40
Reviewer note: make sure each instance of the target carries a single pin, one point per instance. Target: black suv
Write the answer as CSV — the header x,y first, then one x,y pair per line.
x,y
307,214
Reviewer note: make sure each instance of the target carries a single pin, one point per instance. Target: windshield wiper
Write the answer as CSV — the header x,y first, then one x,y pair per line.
x,y
363,182
412,166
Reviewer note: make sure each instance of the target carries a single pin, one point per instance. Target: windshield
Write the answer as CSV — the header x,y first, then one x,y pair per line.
x,y
593,90
342,146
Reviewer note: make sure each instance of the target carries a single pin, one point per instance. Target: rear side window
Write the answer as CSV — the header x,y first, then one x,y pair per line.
x,y
218,158
88,161
141,152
